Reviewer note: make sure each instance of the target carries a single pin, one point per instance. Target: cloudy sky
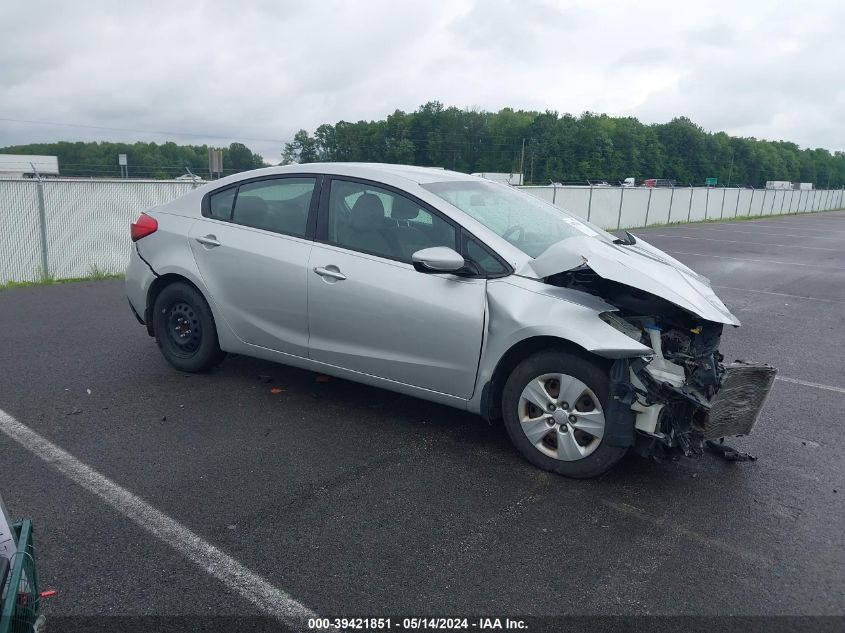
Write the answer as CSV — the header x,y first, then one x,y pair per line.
x,y
257,71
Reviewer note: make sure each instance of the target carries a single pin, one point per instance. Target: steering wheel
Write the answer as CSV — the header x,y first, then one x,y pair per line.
x,y
516,228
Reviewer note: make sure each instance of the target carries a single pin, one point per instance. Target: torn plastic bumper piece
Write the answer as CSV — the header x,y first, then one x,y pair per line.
x,y
620,419
728,453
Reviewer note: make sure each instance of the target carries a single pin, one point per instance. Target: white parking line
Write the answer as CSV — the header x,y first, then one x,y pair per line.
x,y
223,567
761,261
715,239
729,229
779,294
807,383
810,220
792,226
667,524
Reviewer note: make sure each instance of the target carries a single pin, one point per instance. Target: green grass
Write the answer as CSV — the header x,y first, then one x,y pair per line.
x,y
95,275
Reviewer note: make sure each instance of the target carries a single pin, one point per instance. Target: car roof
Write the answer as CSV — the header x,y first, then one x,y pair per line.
x,y
411,172
374,171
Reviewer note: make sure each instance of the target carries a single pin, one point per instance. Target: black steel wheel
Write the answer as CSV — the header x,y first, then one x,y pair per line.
x,y
184,328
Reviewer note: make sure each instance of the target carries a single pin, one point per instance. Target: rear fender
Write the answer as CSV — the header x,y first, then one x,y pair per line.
x,y
168,253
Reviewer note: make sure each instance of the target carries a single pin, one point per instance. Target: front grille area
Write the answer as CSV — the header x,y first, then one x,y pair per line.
x,y
735,408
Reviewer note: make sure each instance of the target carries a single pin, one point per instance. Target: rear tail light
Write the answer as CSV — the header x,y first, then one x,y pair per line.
x,y
142,227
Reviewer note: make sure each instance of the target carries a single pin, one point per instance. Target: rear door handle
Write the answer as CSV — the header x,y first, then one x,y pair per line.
x,y
328,272
208,240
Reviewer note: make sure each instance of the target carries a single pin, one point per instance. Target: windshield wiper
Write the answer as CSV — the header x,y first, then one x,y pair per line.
x,y
629,240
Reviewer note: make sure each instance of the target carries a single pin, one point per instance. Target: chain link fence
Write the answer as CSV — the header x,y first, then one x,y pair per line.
x,y
62,229
65,228
615,208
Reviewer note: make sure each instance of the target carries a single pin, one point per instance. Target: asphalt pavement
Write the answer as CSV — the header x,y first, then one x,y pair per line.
x,y
359,502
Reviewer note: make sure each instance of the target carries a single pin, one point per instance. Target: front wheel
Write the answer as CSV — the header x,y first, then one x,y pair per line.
x,y
184,329
554,406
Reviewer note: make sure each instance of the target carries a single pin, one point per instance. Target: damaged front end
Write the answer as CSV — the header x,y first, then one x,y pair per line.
x,y
684,397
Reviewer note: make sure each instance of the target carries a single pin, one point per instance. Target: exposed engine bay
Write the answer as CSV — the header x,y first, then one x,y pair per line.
x,y
684,397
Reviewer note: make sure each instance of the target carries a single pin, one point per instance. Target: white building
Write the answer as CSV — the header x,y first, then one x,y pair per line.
x,y
26,165
504,178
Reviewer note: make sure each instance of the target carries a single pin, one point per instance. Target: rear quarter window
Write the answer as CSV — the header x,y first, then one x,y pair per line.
x,y
220,204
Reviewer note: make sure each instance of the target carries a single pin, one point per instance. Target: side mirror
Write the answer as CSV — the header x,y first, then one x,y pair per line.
x,y
438,259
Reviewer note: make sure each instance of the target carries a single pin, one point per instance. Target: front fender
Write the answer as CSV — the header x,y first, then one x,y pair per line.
x,y
519,309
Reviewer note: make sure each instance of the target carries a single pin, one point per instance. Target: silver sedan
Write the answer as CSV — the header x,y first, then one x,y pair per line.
x,y
454,289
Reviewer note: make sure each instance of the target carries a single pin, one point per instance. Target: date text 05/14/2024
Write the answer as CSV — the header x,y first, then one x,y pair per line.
x,y
415,624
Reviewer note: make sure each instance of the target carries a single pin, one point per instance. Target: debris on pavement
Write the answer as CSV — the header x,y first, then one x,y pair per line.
x,y
728,453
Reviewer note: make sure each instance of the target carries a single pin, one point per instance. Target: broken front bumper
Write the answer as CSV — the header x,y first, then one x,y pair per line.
x,y
736,407
665,415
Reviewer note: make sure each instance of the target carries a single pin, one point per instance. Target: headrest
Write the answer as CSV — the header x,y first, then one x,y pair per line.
x,y
367,213
251,210
404,209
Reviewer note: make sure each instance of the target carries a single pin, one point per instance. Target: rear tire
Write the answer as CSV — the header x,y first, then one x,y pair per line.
x,y
565,434
185,330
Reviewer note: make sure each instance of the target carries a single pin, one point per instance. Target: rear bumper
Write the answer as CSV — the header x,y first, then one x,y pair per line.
x,y
139,278
135,313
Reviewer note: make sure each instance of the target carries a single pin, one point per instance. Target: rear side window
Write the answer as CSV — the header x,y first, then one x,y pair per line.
x,y
220,204
279,205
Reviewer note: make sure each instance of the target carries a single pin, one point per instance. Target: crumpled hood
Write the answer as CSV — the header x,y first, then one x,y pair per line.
x,y
640,266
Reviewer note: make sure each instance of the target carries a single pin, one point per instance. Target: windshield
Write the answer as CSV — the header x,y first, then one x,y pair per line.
x,y
523,220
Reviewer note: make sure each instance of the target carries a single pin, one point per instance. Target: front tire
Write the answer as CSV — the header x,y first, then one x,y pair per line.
x,y
554,405
185,330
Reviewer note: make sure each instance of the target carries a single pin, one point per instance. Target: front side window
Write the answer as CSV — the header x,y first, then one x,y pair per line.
x,y
378,221
278,205
526,222
481,256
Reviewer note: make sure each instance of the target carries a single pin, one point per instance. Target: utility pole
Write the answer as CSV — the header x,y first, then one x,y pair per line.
x,y
531,179
730,171
522,164
42,224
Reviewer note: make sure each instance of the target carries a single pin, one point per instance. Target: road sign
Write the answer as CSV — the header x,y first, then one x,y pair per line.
x,y
710,182
121,159
215,161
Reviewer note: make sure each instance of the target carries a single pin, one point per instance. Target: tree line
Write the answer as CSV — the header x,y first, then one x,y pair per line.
x,y
146,160
565,148
546,146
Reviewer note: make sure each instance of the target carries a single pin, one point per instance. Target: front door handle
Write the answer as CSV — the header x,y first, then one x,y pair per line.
x,y
331,274
208,240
